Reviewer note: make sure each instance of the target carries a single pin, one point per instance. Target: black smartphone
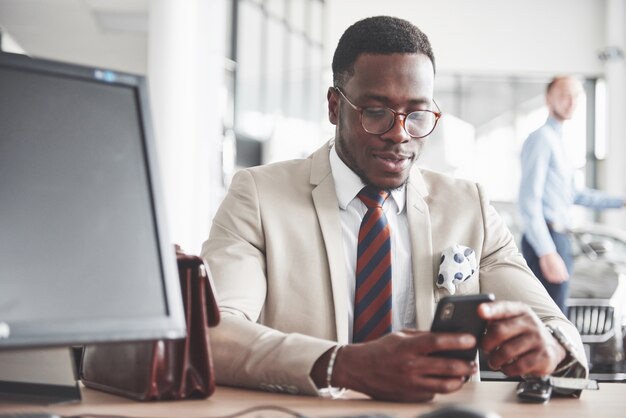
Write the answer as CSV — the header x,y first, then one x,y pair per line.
x,y
460,314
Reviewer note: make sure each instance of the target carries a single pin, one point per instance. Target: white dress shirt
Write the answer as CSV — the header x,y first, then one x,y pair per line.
x,y
352,211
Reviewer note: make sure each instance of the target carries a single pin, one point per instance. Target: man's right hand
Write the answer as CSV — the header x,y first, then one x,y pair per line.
x,y
553,268
397,367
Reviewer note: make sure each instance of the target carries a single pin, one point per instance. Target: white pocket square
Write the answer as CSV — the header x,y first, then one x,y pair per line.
x,y
458,264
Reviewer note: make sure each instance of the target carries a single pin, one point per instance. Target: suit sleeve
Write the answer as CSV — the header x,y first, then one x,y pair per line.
x,y
245,352
504,272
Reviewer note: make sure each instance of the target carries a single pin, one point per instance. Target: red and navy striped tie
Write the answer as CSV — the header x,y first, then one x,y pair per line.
x,y
372,304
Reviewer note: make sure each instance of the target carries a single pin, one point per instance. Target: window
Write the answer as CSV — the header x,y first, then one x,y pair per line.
x,y
486,120
278,54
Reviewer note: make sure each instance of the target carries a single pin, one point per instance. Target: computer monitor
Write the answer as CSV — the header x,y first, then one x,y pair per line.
x,y
84,252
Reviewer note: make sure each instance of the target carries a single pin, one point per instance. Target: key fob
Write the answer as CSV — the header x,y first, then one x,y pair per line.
x,y
536,390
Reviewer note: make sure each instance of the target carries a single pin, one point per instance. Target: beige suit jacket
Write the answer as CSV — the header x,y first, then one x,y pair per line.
x,y
275,253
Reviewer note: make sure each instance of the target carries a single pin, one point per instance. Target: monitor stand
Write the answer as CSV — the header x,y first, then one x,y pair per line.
x,y
39,376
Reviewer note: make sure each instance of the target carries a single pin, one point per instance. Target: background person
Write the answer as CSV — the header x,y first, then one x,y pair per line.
x,y
547,192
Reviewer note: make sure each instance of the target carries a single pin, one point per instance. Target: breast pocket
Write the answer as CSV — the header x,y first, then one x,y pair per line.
x,y
470,286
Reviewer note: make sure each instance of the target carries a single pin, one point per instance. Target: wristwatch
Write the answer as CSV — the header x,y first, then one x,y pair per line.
x,y
569,359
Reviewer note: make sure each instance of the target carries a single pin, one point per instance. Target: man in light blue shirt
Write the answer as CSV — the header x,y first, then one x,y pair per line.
x,y
547,192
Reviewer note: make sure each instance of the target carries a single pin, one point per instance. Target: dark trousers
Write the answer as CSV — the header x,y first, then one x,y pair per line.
x,y
560,291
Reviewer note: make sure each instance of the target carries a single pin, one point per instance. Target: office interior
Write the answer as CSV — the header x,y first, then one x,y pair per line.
x,y
238,83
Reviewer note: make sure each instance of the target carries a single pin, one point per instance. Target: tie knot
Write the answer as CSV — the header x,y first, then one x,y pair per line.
x,y
373,197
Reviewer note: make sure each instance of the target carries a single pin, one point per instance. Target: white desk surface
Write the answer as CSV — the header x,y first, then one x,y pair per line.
x,y
499,397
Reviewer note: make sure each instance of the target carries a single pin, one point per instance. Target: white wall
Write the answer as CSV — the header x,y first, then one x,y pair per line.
x,y
614,174
499,36
185,70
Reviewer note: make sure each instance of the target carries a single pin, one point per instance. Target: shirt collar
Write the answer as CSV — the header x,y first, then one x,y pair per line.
x,y
348,184
556,125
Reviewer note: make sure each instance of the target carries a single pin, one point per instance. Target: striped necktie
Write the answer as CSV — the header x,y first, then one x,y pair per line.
x,y
372,304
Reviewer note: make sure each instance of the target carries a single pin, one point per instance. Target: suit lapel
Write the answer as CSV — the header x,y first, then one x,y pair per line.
x,y
326,206
418,216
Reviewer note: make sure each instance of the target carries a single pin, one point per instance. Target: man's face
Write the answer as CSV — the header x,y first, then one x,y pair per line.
x,y
562,99
402,82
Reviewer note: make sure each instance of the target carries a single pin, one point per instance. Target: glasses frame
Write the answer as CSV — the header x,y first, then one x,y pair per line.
x,y
360,109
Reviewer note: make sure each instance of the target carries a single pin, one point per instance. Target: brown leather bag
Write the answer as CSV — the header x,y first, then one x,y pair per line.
x,y
163,369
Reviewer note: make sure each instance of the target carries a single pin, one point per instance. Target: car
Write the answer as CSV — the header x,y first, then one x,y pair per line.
x,y
597,297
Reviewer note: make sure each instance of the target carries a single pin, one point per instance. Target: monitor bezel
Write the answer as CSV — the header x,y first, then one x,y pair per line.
x,y
75,332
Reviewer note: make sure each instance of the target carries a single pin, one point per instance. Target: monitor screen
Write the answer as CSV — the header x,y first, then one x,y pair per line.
x,y
84,252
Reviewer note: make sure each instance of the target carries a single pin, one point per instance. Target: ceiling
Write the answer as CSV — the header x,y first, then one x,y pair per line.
x,y
100,33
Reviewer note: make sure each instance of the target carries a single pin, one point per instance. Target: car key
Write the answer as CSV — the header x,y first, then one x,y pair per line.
x,y
536,390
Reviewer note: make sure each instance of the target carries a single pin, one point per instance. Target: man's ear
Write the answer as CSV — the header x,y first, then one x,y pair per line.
x,y
333,106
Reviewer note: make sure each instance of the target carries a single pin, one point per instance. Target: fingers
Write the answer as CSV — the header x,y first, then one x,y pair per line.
x,y
555,275
500,332
440,367
520,346
501,310
423,343
428,342
553,268
516,366
432,366
399,366
431,375
531,363
513,341
557,279
513,350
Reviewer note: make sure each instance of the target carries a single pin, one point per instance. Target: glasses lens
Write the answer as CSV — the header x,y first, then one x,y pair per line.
x,y
377,120
420,123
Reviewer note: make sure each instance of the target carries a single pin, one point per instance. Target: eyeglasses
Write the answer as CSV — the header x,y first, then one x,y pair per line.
x,y
378,120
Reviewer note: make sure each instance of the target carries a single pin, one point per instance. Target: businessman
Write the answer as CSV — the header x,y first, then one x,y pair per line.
x,y
326,267
548,191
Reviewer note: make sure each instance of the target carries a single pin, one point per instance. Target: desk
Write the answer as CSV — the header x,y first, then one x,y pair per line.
x,y
608,402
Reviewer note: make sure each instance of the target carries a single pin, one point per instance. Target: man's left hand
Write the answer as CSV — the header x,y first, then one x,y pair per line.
x,y
517,342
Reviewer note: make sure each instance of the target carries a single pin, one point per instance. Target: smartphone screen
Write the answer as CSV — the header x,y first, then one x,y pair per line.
x,y
459,314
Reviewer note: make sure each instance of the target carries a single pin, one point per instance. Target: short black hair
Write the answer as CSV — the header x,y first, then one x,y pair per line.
x,y
377,35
